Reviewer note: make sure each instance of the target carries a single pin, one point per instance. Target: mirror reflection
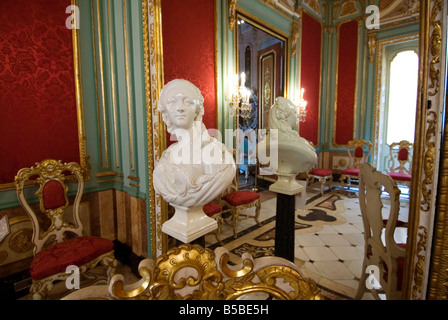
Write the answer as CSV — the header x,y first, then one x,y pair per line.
x,y
261,63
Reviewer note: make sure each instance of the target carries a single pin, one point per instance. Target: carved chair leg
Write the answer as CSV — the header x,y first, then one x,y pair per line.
x,y
235,217
218,231
40,288
342,181
111,263
257,212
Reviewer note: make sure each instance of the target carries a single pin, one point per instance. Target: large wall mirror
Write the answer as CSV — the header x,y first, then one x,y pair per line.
x,y
262,56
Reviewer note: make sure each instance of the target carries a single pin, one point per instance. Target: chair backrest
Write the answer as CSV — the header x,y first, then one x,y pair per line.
x,y
380,245
52,178
401,156
359,152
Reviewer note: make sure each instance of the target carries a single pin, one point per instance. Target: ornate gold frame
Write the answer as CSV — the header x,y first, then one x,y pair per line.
x,y
153,56
426,266
260,24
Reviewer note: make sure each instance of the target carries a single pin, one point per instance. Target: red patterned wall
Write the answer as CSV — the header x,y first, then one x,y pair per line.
x,y
189,48
37,92
346,88
310,75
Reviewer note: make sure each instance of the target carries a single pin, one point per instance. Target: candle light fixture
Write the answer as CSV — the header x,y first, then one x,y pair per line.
x,y
301,106
239,98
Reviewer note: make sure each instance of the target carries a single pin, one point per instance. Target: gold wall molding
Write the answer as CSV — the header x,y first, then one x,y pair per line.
x,y
436,46
232,14
153,56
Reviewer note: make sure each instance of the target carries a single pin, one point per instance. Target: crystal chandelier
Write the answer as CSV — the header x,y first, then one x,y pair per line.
x,y
301,106
239,98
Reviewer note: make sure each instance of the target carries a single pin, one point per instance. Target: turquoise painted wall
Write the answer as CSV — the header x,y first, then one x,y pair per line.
x,y
113,95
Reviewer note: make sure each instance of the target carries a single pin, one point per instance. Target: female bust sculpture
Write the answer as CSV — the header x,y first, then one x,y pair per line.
x,y
295,154
196,169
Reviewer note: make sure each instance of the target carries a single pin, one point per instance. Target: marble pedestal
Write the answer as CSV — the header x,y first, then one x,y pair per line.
x,y
189,224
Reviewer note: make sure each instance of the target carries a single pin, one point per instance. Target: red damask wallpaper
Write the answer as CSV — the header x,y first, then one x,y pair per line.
x,y
310,76
37,91
346,88
189,48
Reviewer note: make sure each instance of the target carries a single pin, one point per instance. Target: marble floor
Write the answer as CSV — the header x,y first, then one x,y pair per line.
x,y
329,241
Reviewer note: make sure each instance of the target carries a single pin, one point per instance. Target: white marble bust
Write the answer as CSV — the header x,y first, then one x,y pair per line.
x,y
295,154
196,169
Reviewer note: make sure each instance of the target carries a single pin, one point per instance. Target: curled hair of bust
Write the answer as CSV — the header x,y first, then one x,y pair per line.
x,y
279,114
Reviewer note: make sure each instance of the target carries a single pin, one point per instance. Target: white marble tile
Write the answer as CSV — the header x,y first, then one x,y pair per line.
x,y
355,267
334,240
327,230
320,254
308,240
333,270
356,239
347,253
300,254
346,228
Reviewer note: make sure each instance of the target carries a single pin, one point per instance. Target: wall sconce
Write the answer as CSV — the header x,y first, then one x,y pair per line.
x,y
301,106
239,98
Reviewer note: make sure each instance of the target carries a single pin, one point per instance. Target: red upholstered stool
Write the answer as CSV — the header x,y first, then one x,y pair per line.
x,y
398,176
323,175
240,200
211,208
214,211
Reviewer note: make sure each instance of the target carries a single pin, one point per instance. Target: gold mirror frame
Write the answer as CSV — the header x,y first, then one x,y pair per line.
x,y
426,265
418,249
235,14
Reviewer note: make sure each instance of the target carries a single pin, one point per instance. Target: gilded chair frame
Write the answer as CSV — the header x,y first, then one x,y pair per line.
x,y
394,157
356,161
60,230
236,211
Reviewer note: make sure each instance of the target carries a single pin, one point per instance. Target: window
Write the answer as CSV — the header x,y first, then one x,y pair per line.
x,y
403,85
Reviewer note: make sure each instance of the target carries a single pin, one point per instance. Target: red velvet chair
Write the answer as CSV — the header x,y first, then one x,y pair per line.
x,y
238,200
383,256
62,243
323,176
400,169
359,152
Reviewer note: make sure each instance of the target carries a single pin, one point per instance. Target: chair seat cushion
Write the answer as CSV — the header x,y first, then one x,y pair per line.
x,y
350,172
238,198
76,251
321,172
400,176
211,208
